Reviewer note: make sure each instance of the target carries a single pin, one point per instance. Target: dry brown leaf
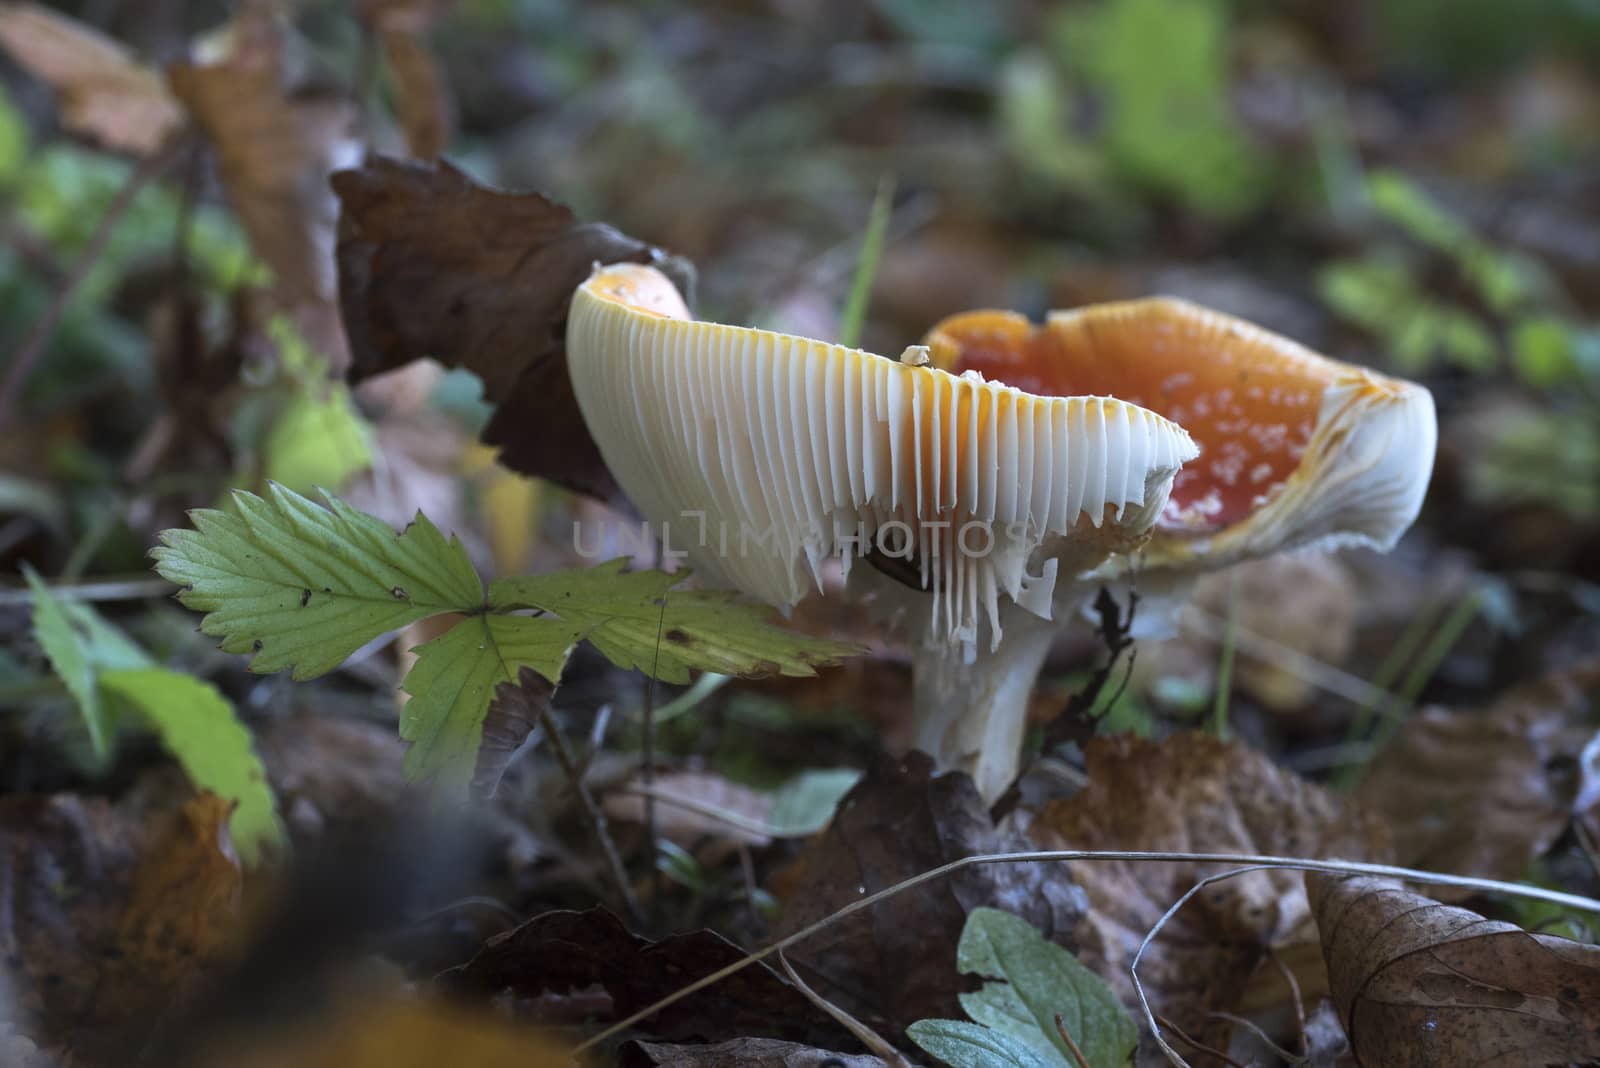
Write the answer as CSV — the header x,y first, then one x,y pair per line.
x,y
423,101
687,826
1194,793
1308,603
431,264
276,146
1485,791
1424,985
331,772
111,912
740,1053
896,961
426,110
572,951
105,92
513,714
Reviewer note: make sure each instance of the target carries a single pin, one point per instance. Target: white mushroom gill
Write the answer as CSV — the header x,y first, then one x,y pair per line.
x,y
763,454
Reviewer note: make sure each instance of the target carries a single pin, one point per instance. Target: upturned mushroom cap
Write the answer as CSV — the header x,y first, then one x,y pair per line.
x,y
769,453
1297,450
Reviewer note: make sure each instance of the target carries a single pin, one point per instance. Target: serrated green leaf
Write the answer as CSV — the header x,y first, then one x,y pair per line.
x,y
197,726
705,630
453,682
79,645
1036,980
302,586
967,1045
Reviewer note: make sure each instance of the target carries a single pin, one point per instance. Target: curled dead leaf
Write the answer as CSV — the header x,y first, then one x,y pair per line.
x,y
513,714
1485,791
1194,793
105,92
432,264
1424,985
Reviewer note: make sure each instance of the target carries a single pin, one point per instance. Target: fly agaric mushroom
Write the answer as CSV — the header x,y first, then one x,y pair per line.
x,y
764,454
980,462
1297,450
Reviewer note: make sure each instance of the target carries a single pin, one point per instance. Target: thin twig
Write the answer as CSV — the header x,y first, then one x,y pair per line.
x,y
875,1043
1196,1043
1299,1000
1335,867
1255,1029
649,751
1077,1054
592,816
32,348
113,590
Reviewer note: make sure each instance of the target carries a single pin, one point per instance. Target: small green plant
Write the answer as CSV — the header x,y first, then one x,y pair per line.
x,y
1156,74
117,685
1030,985
298,586
1508,304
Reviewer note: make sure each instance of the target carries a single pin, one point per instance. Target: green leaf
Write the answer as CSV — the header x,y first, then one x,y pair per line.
x,y
1542,349
78,644
195,723
967,1045
301,586
454,680
706,630
318,437
806,803
197,726
1159,71
1032,980
1038,980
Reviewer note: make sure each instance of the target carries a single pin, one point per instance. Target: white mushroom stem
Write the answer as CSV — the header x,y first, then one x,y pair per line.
x,y
971,715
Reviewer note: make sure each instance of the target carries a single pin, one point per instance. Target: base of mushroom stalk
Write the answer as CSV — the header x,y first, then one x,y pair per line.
x,y
971,715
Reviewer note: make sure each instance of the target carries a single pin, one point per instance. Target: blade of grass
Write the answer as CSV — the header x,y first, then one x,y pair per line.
x,y
872,242
1426,665
1230,641
1402,653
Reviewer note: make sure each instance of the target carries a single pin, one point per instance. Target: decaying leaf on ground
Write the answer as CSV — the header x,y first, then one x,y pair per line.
x,y
740,1053
571,951
1424,985
111,912
1194,793
892,963
432,264
691,805
1486,791
105,92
